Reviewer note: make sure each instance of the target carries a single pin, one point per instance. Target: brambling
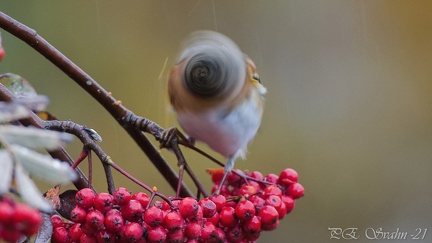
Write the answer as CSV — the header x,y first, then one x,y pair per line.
x,y
216,93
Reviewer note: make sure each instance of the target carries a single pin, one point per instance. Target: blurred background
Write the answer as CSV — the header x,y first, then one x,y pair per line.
x,y
349,102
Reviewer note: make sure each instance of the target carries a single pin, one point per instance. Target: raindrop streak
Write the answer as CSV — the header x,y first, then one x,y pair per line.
x,y
214,16
194,7
162,98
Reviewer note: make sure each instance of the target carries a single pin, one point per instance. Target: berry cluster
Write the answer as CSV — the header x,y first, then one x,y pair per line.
x,y
17,220
264,200
239,213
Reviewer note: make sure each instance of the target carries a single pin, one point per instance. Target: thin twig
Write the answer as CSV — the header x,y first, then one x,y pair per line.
x,y
184,166
138,182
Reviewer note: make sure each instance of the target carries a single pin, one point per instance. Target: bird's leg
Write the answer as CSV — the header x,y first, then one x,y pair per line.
x,y
228,168
181,162
171,138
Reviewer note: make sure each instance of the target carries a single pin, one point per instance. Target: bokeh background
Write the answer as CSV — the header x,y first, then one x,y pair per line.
x,y
349,102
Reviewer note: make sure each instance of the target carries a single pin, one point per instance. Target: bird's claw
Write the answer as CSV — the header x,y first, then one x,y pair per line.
x,y
172,134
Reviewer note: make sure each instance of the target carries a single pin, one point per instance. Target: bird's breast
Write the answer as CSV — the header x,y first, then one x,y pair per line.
x,y
225,129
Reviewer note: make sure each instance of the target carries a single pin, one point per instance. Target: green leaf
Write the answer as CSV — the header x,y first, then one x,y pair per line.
x,y
6,165
34,138
43,166
28,190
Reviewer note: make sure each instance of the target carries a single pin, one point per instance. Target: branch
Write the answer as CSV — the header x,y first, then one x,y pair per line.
x,y
113,106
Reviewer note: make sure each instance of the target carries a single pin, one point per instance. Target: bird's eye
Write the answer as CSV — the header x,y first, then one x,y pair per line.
x,y
256,77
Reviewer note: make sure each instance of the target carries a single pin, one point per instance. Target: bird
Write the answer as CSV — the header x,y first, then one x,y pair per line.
x,y
217,95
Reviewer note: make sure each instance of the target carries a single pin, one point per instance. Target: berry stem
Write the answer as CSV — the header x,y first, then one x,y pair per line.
x,y
90,167
109,177
138,182
81,157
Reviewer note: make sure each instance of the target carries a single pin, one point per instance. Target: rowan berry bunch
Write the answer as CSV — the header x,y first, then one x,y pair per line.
x,y
250,204
17,220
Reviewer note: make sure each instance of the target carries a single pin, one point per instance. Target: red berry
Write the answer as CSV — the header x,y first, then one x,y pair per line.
x,y
193,230
209,233
75,232
257,175
132,211
85,197
219,200
268,215
121,196
173,221
6,212
272,190
288,176
282,210
274,201
56,221
255,185
10,235
232,178
234,234
88,228
59,235
245,210
227,217
247,190
216,174
252,237
141,197
214,219
224,189
78,215
199,214
26,219
188,207
272,178
295,190
175,236
87,239
113,211
219,235
252,226
257,201
208,207
153,216
269,227
175,203
231,203
103,202
166,206
104,236
234,189
156,234
289,203
114,222
133,232
95,219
